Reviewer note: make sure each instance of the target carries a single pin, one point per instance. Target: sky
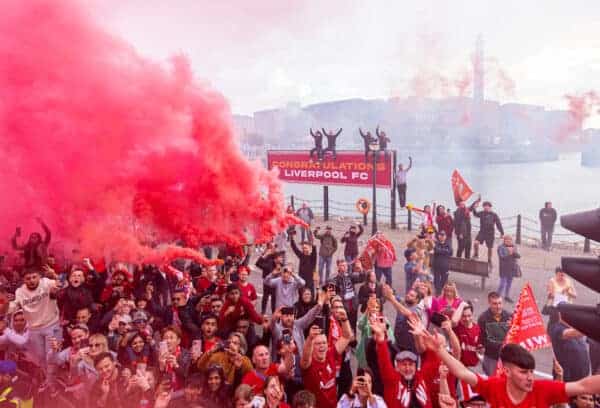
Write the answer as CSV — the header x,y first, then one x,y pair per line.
x,y
264,54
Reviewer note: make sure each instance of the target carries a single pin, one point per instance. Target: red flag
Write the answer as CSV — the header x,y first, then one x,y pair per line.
x,y
462,190
527,326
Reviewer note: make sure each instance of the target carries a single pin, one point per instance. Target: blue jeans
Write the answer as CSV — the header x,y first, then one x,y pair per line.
x,y
349,259
39,342
504,288
411,277
324,262
387,272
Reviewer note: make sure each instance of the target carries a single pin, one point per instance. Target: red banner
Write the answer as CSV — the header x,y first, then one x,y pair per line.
x,y
527,326
461,189
348,169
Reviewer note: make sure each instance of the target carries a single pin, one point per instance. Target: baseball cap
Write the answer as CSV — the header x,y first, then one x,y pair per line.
x,y
406,355
139,316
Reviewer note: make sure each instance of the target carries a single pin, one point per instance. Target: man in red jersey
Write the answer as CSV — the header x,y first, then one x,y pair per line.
x,y
318,362
515,387
405,386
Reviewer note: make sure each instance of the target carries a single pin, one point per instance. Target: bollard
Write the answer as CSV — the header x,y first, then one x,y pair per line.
x,y
518,237
326,203
292,202
365,220
409,220
586,246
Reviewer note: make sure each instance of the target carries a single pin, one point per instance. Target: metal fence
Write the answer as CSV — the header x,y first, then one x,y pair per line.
x,y
525,229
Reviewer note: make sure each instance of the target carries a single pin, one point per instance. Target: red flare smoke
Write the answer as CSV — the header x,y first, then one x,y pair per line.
x,y
114,150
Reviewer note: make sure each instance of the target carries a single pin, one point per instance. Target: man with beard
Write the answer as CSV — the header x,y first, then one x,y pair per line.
x,y
37,298
405,387
410,307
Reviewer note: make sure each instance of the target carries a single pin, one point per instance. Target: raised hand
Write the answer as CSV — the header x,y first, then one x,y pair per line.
x,y
446,401
387,291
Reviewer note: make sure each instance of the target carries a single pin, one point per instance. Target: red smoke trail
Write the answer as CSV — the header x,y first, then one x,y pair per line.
x,y
581,107
115,150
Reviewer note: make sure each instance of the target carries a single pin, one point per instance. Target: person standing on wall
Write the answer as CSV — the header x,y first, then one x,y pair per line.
x,y
401,181
547,220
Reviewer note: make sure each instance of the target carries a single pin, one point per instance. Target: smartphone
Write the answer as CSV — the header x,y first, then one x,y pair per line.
x,y
163,348
196,347
85,343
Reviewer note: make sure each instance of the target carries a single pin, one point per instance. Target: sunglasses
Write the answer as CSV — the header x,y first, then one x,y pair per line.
x,y
96,345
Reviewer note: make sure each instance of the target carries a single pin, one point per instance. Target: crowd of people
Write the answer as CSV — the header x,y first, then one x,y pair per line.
x,y
81,332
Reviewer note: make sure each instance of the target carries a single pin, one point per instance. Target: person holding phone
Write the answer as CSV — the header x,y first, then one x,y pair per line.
x,y
361,392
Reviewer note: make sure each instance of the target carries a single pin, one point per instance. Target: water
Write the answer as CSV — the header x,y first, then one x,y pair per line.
x,y
516,188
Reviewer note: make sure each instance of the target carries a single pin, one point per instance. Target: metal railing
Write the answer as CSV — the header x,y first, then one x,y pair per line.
x,y
525,229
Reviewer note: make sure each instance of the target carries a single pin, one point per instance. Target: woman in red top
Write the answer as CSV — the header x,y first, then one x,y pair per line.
x,y
468,334
274,393
444,221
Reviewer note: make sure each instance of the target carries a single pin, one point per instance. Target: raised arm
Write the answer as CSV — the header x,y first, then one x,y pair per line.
x,y
311,133
458,313
499,225
47,233
587,385
295,247
13,241
437,344
307,352
338,132
409,163
388,294
377,131
347,336
361,133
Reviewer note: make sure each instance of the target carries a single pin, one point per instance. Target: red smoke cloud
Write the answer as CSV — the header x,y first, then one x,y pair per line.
x,y
581,107
115,150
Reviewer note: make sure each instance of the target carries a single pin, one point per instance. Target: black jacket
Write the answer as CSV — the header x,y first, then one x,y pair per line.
x,y
462,222
266,264
441,256
548,217
307,264
351,241
487,221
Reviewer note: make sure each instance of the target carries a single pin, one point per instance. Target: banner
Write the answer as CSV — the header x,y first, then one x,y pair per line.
x,y
527,326
461,189
348,169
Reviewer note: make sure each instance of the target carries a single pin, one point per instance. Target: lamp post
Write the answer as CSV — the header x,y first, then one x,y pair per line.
x,y
374,148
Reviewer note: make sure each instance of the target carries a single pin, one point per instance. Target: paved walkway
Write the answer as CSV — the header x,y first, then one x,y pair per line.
x,y
537,266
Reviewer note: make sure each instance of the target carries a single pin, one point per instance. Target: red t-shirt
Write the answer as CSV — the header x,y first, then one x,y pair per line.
x,y
430,371
319,379
208,345
256,380
248,291
544,394
469,339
